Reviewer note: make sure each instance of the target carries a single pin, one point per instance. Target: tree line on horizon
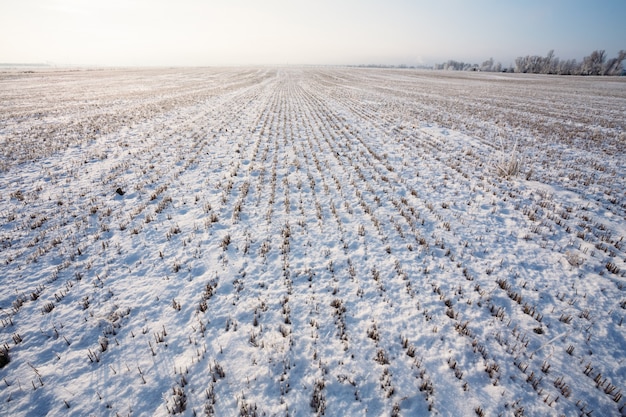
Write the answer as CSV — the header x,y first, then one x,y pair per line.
x,y
594,64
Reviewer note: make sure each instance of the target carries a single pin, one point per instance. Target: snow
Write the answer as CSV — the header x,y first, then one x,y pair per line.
x,y
311,240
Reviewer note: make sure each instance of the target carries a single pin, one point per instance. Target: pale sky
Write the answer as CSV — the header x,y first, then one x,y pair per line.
x,y
327,32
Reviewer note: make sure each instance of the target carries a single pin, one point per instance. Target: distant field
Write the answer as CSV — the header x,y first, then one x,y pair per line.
x,y
298,241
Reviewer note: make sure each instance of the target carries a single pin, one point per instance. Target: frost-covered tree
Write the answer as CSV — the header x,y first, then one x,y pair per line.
x,y
549,63
614,65
594,63
453,65
487,65
568,67
536,64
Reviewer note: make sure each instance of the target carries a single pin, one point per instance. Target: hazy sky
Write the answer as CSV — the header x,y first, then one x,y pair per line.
x,y
241,32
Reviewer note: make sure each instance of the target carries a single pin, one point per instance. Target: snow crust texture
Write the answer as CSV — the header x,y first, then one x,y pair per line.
x,y
311,241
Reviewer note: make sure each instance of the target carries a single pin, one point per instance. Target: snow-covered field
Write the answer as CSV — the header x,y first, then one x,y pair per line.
x,y
307,241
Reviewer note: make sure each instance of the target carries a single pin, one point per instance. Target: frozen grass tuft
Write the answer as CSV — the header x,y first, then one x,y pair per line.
x,y
509,162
